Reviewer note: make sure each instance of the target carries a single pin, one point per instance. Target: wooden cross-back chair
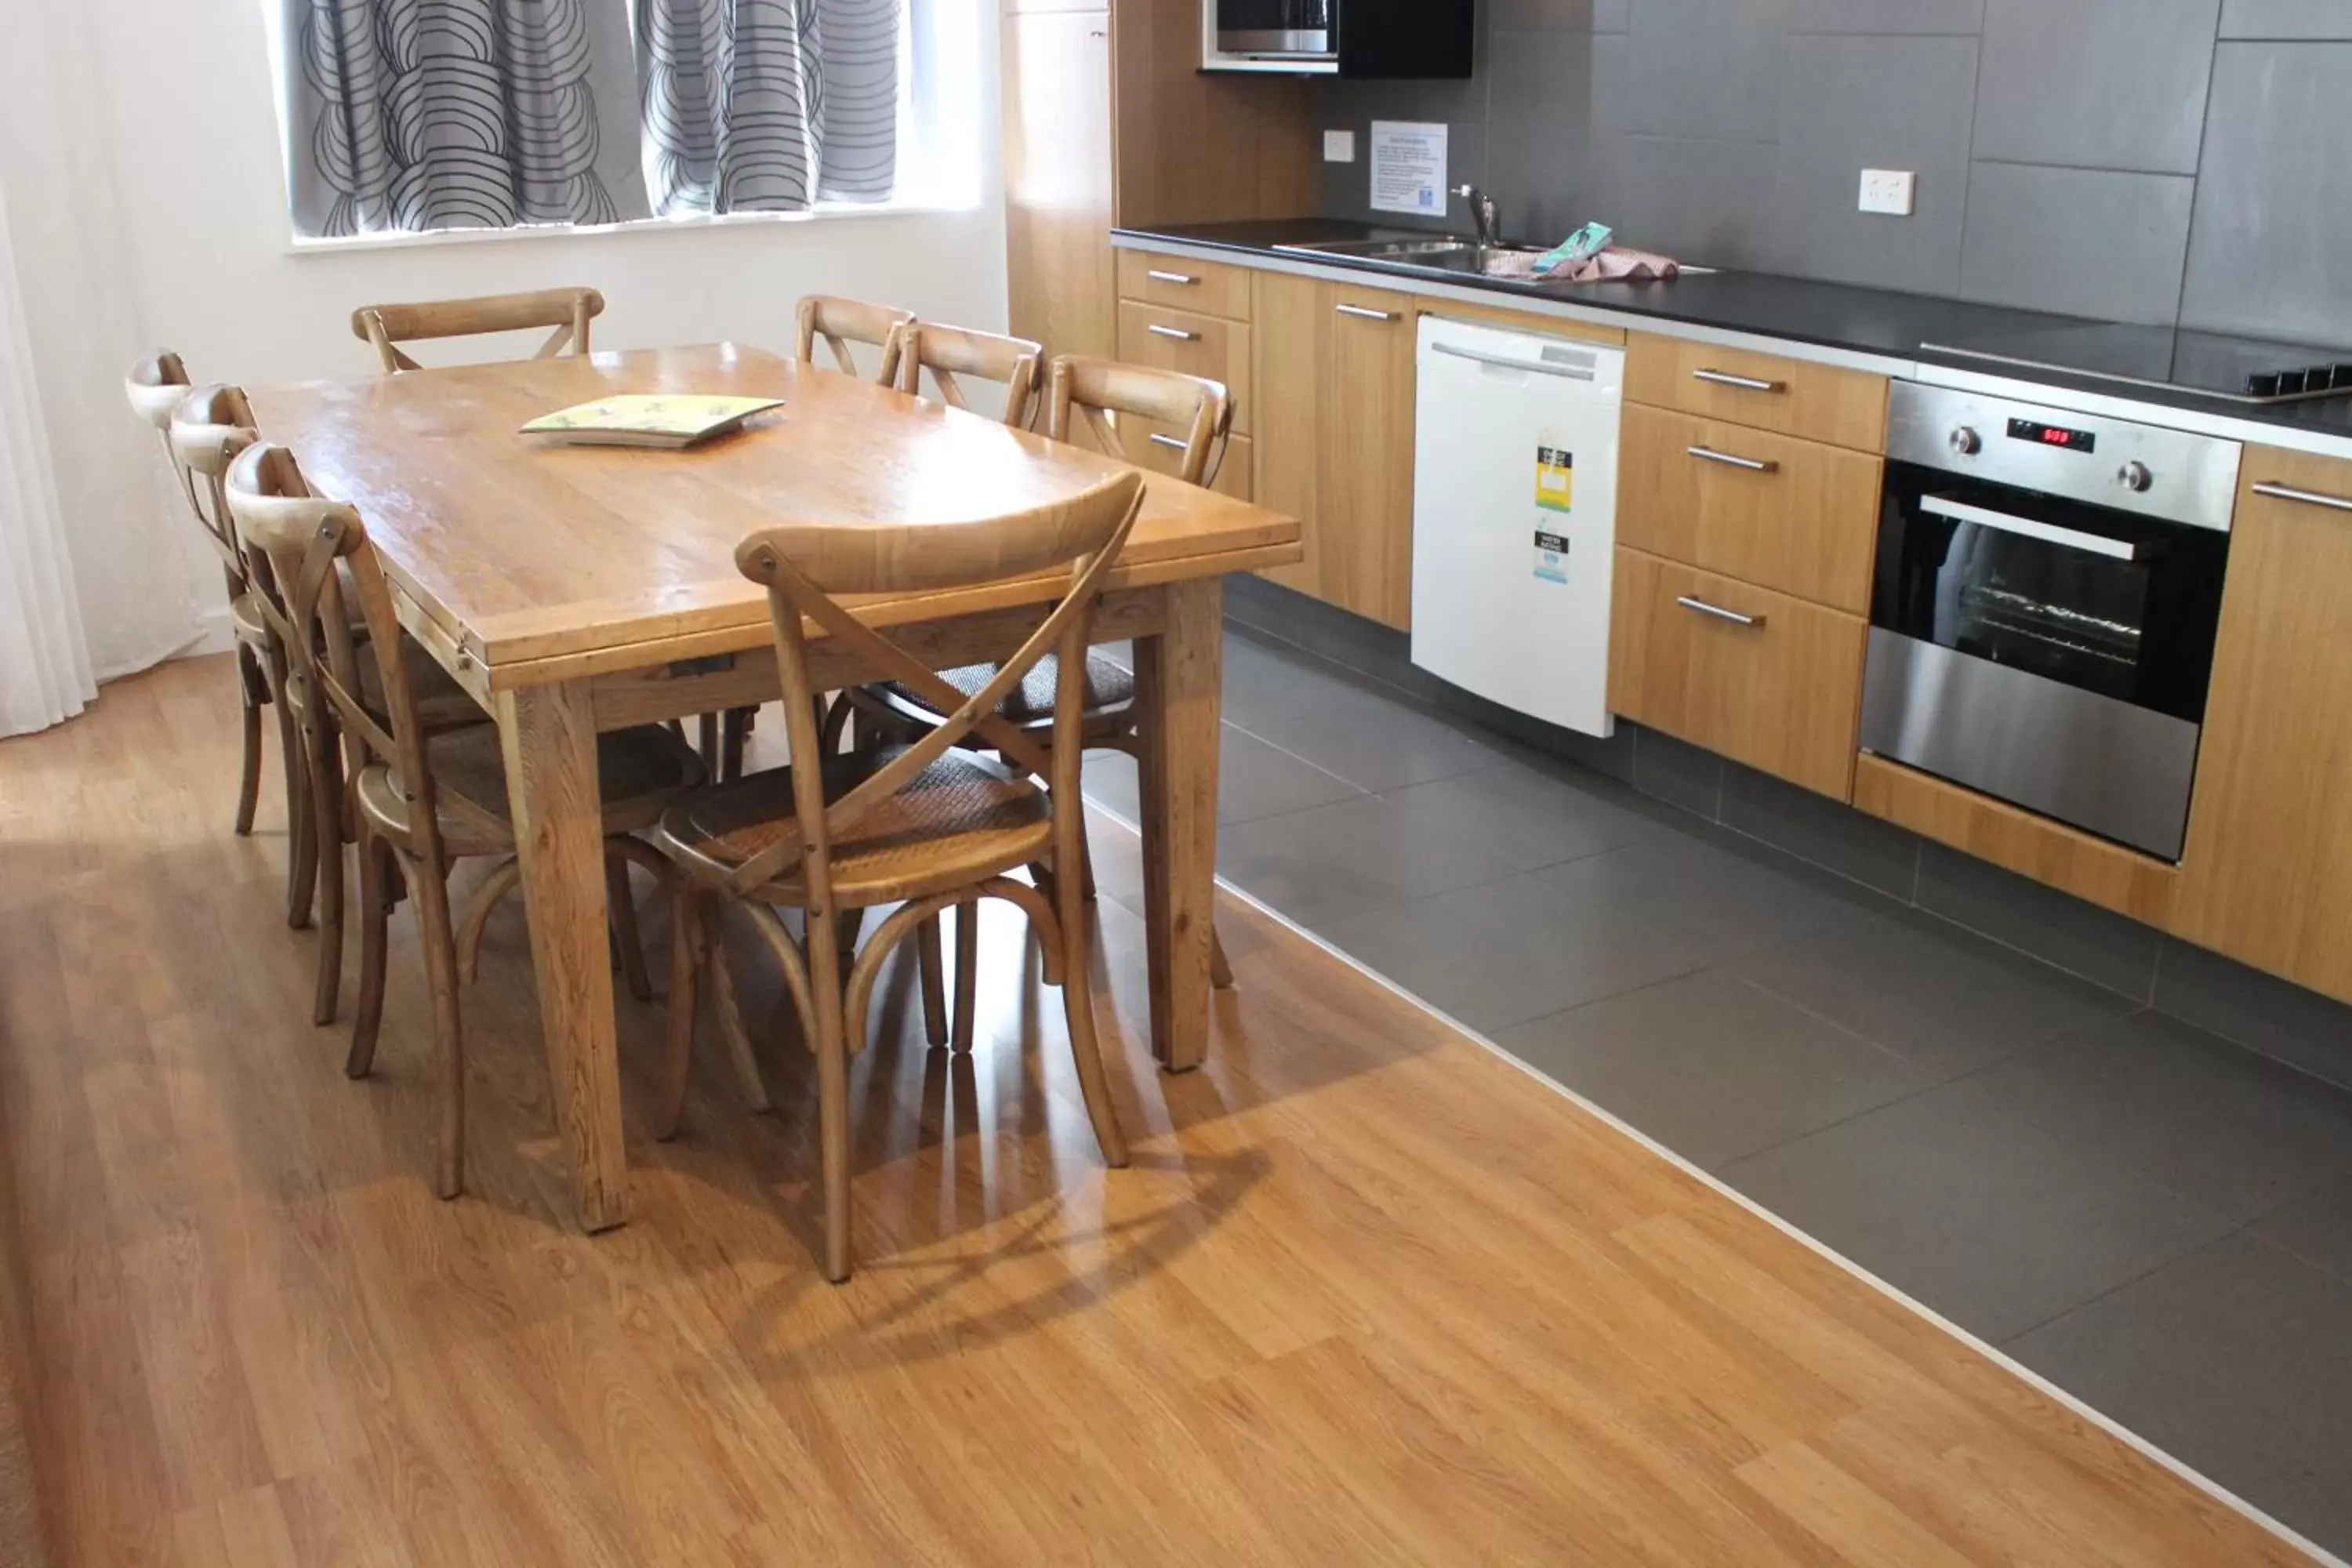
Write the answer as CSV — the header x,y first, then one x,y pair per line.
x,y
951,352
204,432
567,311
421,798
841,322
1078,392
929,826
156,386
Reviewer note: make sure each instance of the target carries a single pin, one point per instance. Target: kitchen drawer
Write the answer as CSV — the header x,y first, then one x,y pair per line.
x,y
1779,693
1184,284
1764,392
1232,478
1191,342
1784,513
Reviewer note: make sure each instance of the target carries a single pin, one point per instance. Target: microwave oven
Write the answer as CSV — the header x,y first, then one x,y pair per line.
x,y
1393,38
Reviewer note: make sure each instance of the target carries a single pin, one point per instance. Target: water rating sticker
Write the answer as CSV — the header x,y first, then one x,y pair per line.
x,y
1551,556
1555,478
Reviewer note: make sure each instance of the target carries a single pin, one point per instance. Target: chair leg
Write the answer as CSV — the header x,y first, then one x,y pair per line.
x,y
504,878
1221,970
327,840
935,984
376,871
1078,1006
707,742
723,1001
735,731
430,886
249,784
967,973
833,1089
686,959
623,905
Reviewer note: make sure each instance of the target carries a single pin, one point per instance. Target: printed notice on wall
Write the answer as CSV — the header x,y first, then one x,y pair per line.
x,y
1408,167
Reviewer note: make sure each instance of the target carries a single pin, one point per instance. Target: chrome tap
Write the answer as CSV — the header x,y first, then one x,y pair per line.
x,y
1482,212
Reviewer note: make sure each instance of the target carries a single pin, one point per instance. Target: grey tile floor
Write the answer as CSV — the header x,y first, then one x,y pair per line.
x,y
2153,1217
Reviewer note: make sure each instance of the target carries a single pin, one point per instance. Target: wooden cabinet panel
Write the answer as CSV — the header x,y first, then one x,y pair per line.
x,y
1334,438
1805,521
1195,344
1780,694
1185,284
2266,876
2052,852
1157,446
1795,397
1060,276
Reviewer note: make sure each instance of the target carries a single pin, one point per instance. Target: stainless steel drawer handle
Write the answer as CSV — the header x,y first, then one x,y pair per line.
x,y
1183,279
2030,528
1744,383
2308,498
1173,443
1753,465
1718,612
1364,313
1179,333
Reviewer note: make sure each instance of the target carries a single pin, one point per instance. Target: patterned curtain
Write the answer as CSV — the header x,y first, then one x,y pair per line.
x,y
768,105
424,114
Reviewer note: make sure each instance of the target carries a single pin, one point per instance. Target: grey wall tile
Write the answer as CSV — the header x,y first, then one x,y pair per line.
x,y
1556,96
1678,772
2097,84
1870,102
2055,927
1877,854
1708,202
1952,17
2286,19
1709,69
1347,187
2258,1011
2271,249
1559,16
2087,242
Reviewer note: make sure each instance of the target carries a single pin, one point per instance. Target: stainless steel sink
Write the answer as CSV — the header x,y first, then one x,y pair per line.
x,y
1438,253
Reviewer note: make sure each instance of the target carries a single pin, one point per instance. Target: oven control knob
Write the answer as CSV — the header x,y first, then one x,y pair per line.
x,y
1964,441
2134,476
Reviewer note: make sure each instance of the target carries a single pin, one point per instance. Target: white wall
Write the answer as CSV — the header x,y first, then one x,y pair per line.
x,y
188,109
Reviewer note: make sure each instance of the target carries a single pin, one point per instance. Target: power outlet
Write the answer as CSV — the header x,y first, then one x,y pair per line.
x,y
1338,146
1888,191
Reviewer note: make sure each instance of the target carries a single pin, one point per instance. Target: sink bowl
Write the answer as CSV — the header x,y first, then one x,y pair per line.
x,y
1441,253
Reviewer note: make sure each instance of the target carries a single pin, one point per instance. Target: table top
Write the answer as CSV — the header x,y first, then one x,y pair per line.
x,y
539,560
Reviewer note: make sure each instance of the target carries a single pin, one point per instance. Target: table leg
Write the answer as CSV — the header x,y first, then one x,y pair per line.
x,y
1180,694
549,735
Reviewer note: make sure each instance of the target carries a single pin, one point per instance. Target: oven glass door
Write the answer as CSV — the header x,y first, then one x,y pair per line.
x,y
2111,603
1275,27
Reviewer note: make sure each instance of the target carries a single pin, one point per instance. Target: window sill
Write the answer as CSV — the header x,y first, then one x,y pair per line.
x,y
404,240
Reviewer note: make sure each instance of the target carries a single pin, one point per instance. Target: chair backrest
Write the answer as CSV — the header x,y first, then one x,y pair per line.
x,y
205,431
805,565
1095,392
951,351
304,553
566,311
154,386
841,322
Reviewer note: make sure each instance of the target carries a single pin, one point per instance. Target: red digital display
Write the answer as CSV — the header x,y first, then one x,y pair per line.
x,y
2052,435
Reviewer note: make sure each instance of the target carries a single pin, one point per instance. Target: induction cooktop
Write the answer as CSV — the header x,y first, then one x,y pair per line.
x,y
2241,370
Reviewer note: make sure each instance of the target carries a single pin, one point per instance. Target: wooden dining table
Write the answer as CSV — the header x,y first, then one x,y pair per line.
x,y
576,589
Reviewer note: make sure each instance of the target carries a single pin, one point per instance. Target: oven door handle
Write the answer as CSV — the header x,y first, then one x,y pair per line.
x,y
2048,533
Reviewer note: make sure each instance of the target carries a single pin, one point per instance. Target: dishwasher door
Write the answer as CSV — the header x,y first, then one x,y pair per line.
x,y
1515,518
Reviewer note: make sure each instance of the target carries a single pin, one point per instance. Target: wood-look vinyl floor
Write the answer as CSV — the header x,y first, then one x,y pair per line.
x,y
1368,1295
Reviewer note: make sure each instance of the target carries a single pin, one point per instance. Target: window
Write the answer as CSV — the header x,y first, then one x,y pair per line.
x,y
471,114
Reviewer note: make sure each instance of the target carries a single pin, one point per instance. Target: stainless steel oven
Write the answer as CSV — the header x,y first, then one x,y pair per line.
x,y
2048,586
1277,30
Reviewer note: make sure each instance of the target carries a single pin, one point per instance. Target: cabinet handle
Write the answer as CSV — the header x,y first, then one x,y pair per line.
x,y
1744,383
2308,498
1365,313
1172,443
1753,465
1184,279
1179,333
1718,612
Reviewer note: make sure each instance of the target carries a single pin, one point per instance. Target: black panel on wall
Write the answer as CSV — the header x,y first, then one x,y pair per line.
x,y
1396,39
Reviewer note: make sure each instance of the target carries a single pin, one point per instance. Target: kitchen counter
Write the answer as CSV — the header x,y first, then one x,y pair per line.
x,y
1845,319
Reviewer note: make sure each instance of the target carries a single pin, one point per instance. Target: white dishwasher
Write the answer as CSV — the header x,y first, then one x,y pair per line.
x,y
1515,518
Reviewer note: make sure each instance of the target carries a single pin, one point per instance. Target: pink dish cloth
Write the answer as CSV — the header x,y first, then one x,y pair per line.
x,y
1617,264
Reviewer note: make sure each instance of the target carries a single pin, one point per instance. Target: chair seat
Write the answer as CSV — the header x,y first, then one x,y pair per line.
x,y
441,702
639,772
244,619
1110,694
962,818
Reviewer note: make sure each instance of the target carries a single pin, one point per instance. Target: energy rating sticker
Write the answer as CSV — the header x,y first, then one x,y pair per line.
x,y
1551,556
1555,478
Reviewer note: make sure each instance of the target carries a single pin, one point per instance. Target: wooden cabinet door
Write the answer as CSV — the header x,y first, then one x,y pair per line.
x,y
2266,876
1366,418
1287,347
1061,275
